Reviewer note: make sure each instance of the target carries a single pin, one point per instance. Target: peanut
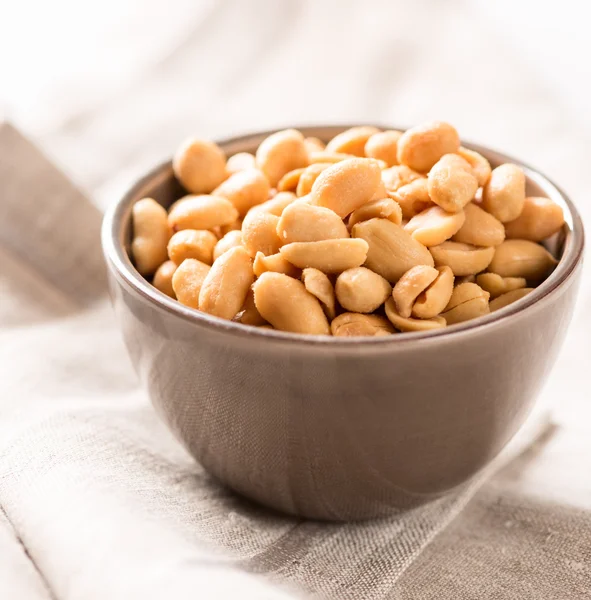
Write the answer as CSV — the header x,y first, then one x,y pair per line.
x,y
249,315
328,256
413,197
240,162
191,243
467,301
409,324
435,298
200,166
480,166
384,146
351,141
259,233
463,259
309,176
421,147
386,208
434,226
325,156
508,298
496,285
480,228
244,189
230,240
504,194
274,262
281,153
396,177
187,281
301,222
202,212
150,235
360,290
163,278
451,183
233,226
355,325
319,285
289,182
539,219
410,286
276,205
522,258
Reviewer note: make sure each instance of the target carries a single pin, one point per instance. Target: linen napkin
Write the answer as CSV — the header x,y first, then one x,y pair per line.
x,y
97,500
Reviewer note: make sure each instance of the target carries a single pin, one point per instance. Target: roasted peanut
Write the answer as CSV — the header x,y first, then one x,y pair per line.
x,y
259,233
451,183
288,306
347,185
328,256
496,285
396,177
422,146
313,144
508,298
301,222
275,263
309,176
281,153
351,141
409,324
355,325
435,298
319,285
392,251
360,290
226,285
289,182
150,235
413,197
410,286
480,228
276,205
385,208
202,212
240,162
522,258
504,194
249,314
433,226
480,166
384,146
463,259
230,240
467,301
192,243
187,281
200,165
244,189
163,278
539,219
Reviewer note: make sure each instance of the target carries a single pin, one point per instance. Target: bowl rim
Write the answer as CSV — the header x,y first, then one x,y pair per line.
x,y
119,262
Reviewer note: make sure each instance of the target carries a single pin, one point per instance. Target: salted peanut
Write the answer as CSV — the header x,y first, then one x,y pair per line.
x,y
326,156
392,251
480,228
508,298
396,177
496,285
244,189
302,222
468,301
192,243
226,285
463,259
200,165
522,258
539,219
276,205
288,306
352,141
150,235
233,226
410,286
259,233
413,197
309,176
319,285
360,290
346,186
434,225
452,183
289,182
480,166
202,212
385,208
275,263
249,314
504,194
313,144
230,240
163,278
240,162
356,325
384,146
422,146
436,296
328,256
187,281
281,153
408,323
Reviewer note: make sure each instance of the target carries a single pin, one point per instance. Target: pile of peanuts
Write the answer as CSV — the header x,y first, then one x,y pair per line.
x,y
372,233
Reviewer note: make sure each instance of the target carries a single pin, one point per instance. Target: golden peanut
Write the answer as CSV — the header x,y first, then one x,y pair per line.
x,y
240,162
421,147
187,281
463,259
355,325
328,256
163,278
328,157
504,194
244,189
508,298
309,176
433,226
539,219
302,222
200,166
351,141
480,228
360,290
408,323
275,263
230,240
451,183
344,187
249,314
276,205
392,251
288,306
313,144
413,197
289,182
496,285
150,235
319,285
281,153
385,208
384,146
433,300
480,166
468,301
410,285
202,212
259,233
396,177
192,243
226,285
522,258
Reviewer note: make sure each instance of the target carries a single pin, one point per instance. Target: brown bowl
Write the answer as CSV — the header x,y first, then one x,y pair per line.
x,y
338,428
